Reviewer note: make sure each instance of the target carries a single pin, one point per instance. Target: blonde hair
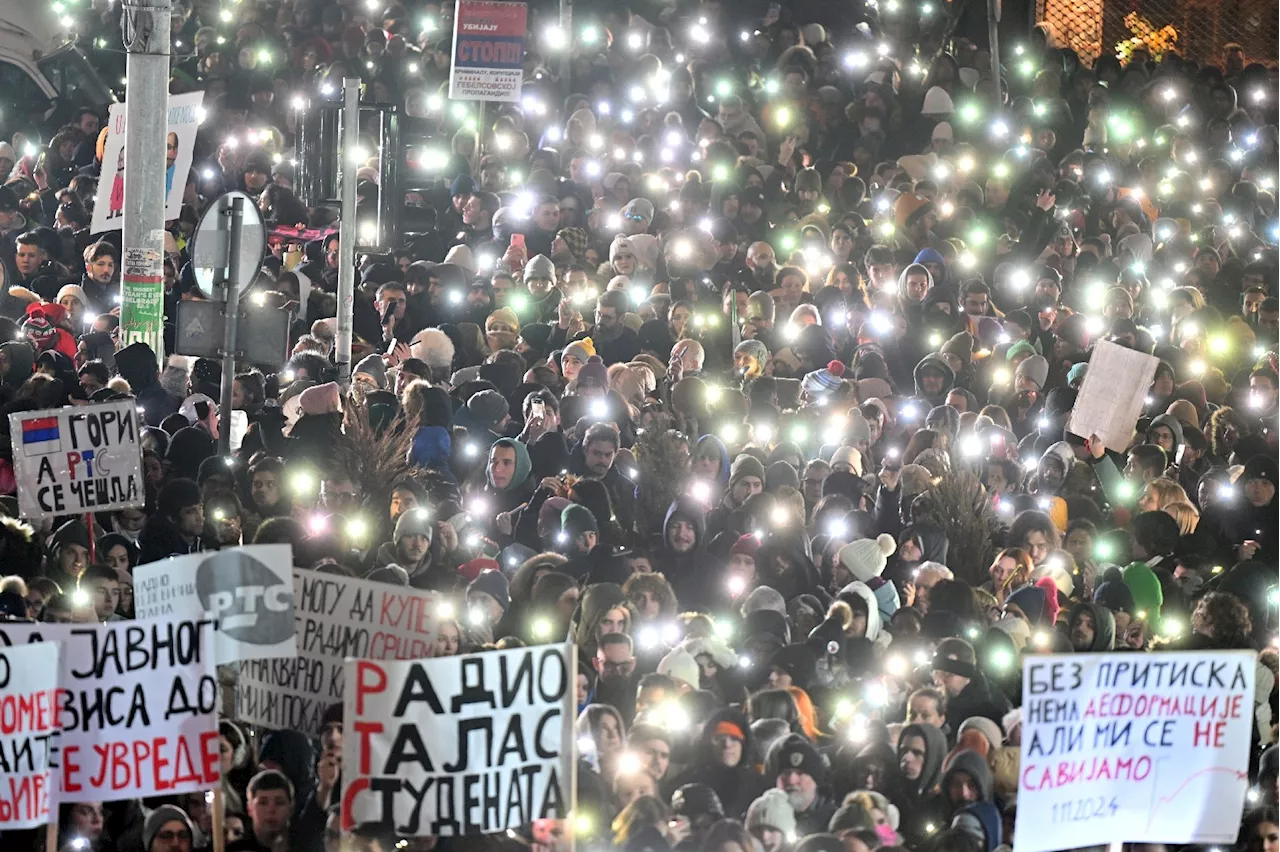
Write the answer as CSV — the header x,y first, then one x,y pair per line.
x,y
1187,516
1166,491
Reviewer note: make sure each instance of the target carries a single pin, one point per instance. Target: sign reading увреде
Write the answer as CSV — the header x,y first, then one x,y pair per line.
x,y
488,51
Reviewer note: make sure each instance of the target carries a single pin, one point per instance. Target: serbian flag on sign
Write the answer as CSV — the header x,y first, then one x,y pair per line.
x,y
40,435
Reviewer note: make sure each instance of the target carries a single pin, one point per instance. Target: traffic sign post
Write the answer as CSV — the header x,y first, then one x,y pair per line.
x,y
226,255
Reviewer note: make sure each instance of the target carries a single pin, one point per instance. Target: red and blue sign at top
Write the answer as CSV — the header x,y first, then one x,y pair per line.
x,y
488,50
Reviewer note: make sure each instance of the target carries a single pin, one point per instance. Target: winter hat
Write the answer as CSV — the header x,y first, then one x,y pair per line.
x,y
549,514
593,374
850,817
696,800
462,185
581,349
1259,467
744,466
772,810
848,456
1035,369
909,207
391,574
1143,583
1115,596
680,666
858,429
937,102
321,399
373,366
780,474
1077,372
1051,605
960,345
1031,600
575,239
764,598
823,381
488,408
984,726
798,661
433,347
746,545
505,316
473,569
638,207
494,584
577,519
540,266
767,622
796,752
866,557
753,349
76,292
157,819
414,522
1016,629
1020,348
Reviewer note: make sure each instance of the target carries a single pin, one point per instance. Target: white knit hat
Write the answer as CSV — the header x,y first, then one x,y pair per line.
x,y
937,102
772,810
866,557
679,665
434,347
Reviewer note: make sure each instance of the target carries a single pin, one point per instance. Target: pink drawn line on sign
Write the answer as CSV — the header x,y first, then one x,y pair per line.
x,y
1165,800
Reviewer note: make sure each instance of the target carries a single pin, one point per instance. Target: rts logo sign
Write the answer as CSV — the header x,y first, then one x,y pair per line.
x,y
251,603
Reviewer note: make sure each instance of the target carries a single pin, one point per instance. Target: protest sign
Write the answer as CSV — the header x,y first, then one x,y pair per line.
x,y
28,728
1114,390
77,459
488,51
1129,747
179,147
137,707
336,617
248,591
460,745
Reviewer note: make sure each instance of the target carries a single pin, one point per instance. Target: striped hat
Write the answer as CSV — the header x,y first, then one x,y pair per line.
x,y
823,381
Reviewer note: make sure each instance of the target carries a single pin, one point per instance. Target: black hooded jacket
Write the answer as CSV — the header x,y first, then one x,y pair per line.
x,y
737,786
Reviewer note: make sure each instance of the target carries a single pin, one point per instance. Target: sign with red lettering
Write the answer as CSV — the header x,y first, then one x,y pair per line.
x,y
77,459
247,590
488,51
1150,748
460,745
334,618
137,707
28,731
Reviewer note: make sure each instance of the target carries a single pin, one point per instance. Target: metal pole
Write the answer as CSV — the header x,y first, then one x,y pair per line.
x,y
231,287
145,26
479,151
347,227
993,36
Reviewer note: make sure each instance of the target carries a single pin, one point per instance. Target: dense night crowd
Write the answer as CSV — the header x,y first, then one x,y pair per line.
x,y
744,356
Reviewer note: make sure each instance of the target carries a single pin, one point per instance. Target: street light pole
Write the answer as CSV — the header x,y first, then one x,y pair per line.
x,y
146,30
348,229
